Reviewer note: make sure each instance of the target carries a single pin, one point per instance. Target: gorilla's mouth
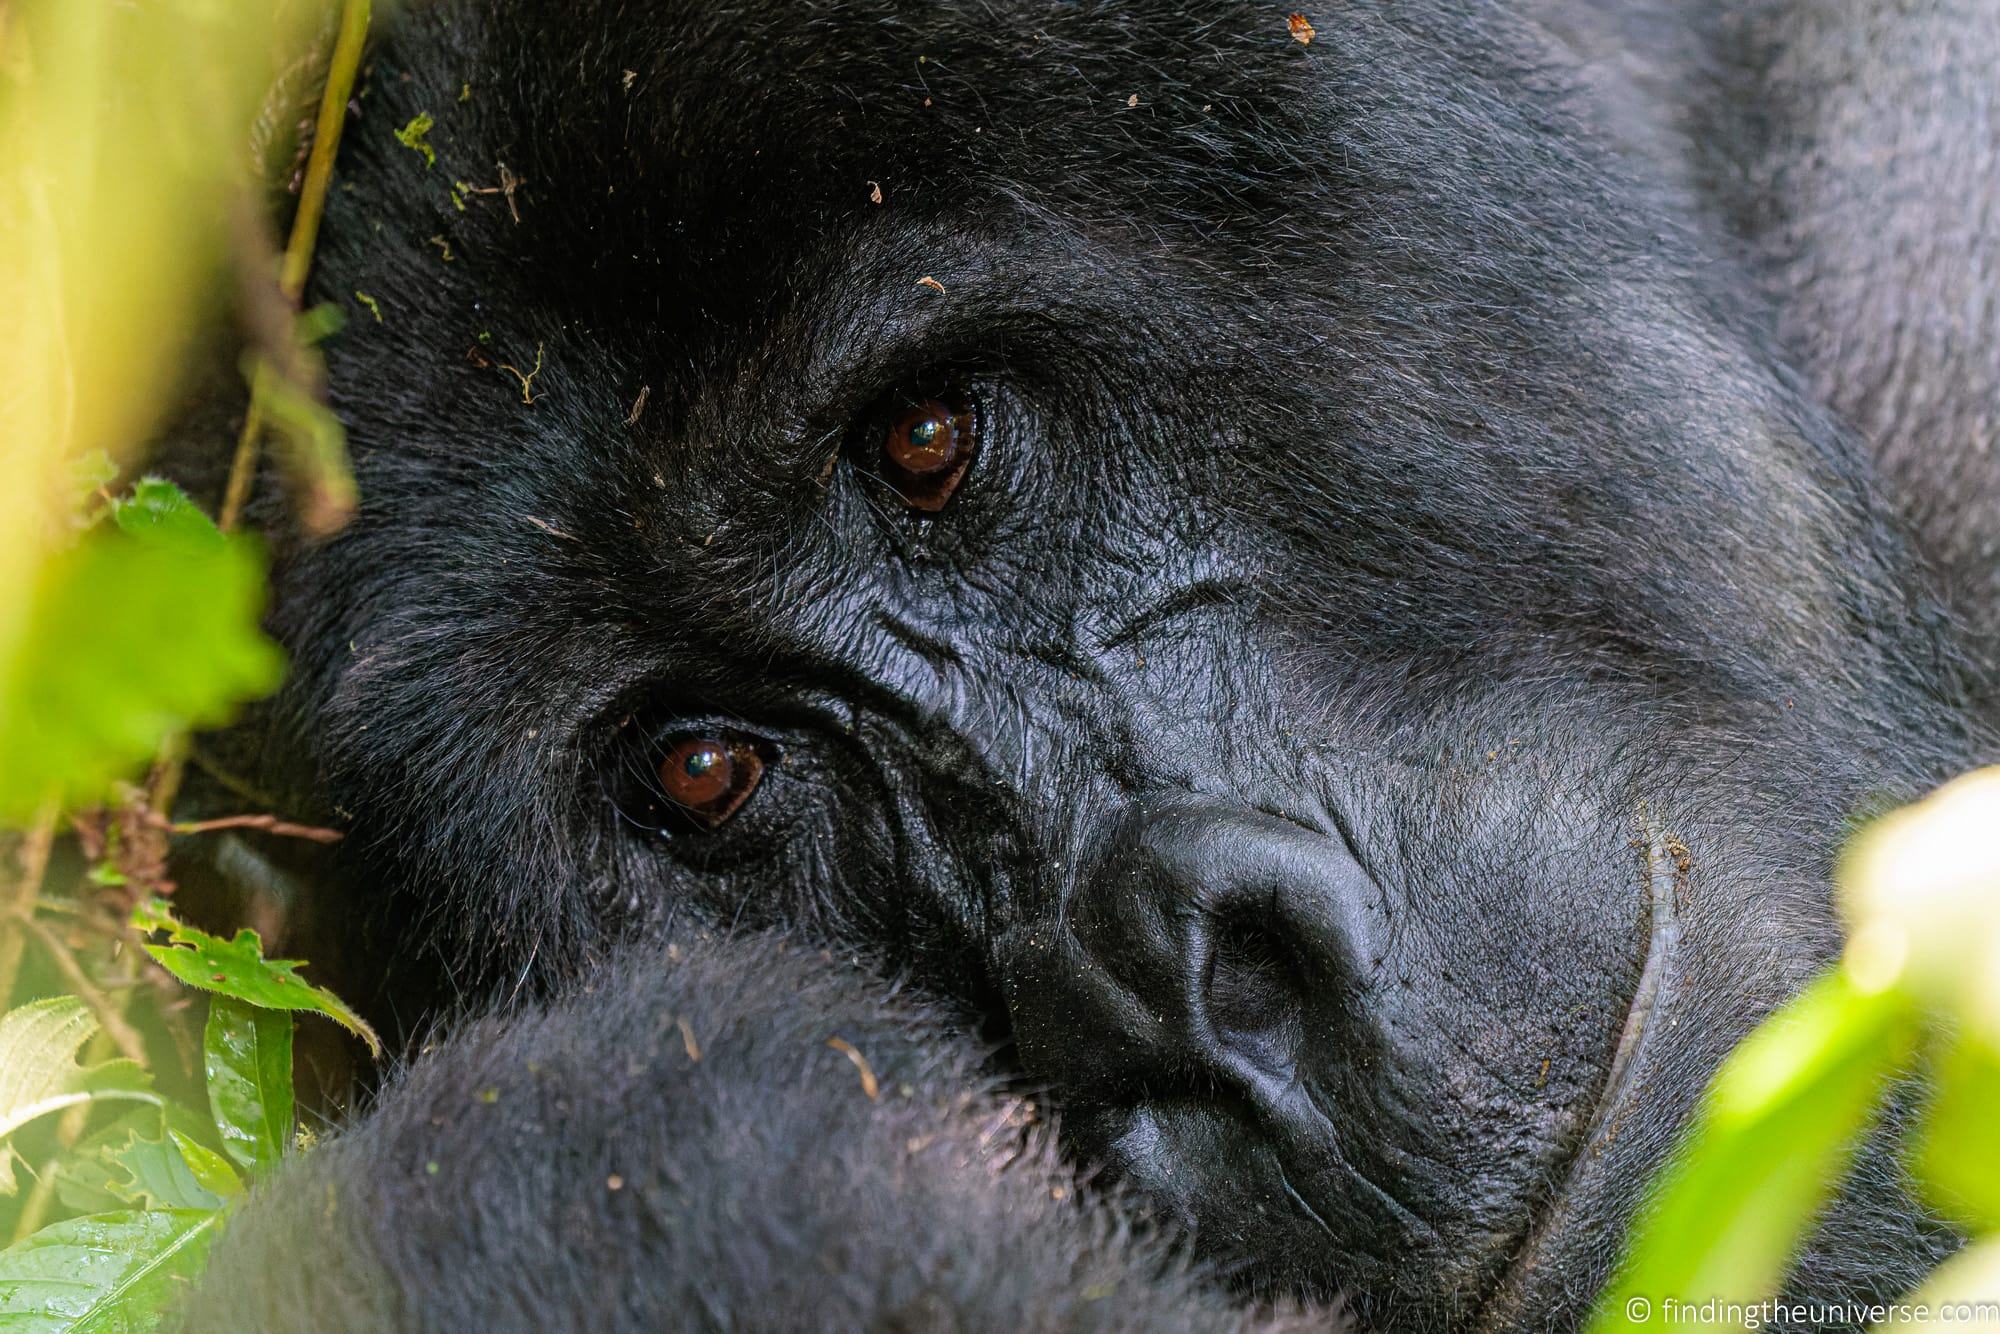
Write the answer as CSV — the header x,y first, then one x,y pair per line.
x,y
1578,1199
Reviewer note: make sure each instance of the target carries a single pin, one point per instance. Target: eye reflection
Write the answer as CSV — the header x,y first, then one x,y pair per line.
x,y
926,452
708,777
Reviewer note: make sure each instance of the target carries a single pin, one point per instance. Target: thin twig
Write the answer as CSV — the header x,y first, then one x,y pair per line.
x,y
270,824
32,865
109,1016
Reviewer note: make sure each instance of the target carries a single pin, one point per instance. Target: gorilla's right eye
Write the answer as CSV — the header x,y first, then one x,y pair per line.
x,y
706,778
927,449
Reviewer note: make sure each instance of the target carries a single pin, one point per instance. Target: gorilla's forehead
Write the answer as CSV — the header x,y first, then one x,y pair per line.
x,y
1386,278
772,104
765,126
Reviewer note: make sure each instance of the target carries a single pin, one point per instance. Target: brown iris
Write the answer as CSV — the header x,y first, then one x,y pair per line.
x,y
926,453
709,777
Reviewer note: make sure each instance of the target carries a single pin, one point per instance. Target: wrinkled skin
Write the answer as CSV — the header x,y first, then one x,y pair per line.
x,y
1373,722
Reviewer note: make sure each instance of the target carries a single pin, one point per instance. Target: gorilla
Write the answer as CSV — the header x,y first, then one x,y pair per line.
x,y
1333,585
737,1173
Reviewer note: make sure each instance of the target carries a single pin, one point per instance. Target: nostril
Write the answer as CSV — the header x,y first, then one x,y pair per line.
x,y
1254,994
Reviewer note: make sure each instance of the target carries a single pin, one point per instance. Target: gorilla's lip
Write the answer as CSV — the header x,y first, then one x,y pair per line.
x,y
1503,1308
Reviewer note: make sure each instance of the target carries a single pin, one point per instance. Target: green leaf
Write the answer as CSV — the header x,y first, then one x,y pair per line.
x,y
103,1274
237,968
247,1053
1767,1149
88,1176
38,1069
159,512
1959,1155
210,1168
84,1175
156,1175
133,634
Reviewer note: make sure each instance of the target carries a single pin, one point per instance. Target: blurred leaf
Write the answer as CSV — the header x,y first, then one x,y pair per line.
x,y
161,513
104,1273
38,1069
122,132
1959,1153
320,323
316,448
238,968
247,1053
86,475
1921,892
1767,1149
128,640
1971,1276
153,1174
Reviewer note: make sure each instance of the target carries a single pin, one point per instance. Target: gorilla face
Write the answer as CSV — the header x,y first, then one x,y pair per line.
x,y
1281,572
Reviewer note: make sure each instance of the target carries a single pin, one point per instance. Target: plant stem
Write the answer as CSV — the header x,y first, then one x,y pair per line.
x,y
109,1016
297,264
32,865
171,765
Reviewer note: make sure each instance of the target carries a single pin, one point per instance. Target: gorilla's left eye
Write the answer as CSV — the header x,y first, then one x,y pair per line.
x,y
707,778
927,449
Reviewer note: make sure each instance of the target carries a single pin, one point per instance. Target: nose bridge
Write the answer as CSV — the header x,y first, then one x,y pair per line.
x,y
1140,918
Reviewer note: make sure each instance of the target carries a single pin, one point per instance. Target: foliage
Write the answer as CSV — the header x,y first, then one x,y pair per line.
x,y
146,1066
238,970
86,695
107,1272
38,1070
117,1269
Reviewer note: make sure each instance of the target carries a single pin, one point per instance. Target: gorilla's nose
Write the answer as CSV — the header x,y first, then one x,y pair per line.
x,y
1213,941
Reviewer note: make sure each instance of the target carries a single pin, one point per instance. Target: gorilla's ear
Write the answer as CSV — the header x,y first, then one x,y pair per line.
x,y
736,1135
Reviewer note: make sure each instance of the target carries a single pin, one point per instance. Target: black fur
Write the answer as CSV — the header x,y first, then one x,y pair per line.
x,y
676,1147
1406,581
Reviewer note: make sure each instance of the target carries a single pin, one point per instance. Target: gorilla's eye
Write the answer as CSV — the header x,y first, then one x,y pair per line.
x,y
926,452
708,778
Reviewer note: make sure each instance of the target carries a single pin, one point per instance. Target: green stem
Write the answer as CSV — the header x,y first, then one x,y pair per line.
x,y
297,264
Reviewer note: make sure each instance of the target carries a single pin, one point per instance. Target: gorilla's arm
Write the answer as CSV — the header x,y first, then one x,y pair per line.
x,y
1856,147
679,1147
